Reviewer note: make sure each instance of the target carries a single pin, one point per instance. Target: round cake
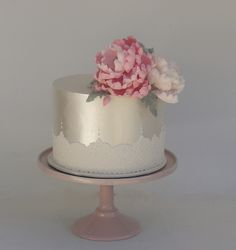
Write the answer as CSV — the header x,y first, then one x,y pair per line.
x,y
111,125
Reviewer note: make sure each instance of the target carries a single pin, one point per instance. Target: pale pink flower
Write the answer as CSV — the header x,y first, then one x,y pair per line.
x,y
123,68
166,81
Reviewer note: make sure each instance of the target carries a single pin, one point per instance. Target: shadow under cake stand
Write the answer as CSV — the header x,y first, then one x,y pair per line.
x,y
106,223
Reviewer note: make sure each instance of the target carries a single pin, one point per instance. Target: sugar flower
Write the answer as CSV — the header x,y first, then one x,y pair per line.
x,y
128,68
122,69
166,81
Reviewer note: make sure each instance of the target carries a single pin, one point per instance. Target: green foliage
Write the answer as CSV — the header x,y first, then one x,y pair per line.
x,y
92,83
95,94
147,50
150,102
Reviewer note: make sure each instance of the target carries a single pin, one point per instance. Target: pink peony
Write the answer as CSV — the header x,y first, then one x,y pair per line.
x,y
123,68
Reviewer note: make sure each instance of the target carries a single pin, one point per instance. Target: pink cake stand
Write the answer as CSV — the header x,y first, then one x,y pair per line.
x,y
106,223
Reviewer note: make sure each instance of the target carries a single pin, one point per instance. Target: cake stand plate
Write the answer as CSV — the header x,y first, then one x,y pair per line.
x,y
106,223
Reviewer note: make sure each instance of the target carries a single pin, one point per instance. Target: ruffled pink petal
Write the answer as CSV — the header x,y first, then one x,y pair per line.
x,y
109,57
106,100
99,58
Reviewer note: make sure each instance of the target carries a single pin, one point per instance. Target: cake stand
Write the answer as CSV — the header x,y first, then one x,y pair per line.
x,y
106,223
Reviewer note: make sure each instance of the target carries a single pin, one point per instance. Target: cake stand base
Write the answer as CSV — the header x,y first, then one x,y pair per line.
x,y
96,227
106,223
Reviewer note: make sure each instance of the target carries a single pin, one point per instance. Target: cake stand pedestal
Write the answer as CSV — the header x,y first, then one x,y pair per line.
x,y
106,223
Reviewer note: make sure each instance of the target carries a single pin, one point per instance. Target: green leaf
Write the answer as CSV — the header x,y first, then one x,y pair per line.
x,y
153,110
151,50
91,84
91,97
146,50
95,94
150,102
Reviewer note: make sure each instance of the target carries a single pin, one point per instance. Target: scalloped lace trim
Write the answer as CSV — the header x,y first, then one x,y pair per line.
x,y
102,158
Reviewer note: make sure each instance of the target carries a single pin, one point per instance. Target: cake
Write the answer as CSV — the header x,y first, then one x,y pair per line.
x,y
111,124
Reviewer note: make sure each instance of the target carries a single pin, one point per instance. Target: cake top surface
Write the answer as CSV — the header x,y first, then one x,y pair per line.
x,y
74,83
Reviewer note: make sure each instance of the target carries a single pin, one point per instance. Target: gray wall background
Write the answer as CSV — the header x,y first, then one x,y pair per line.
x,y
44,40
